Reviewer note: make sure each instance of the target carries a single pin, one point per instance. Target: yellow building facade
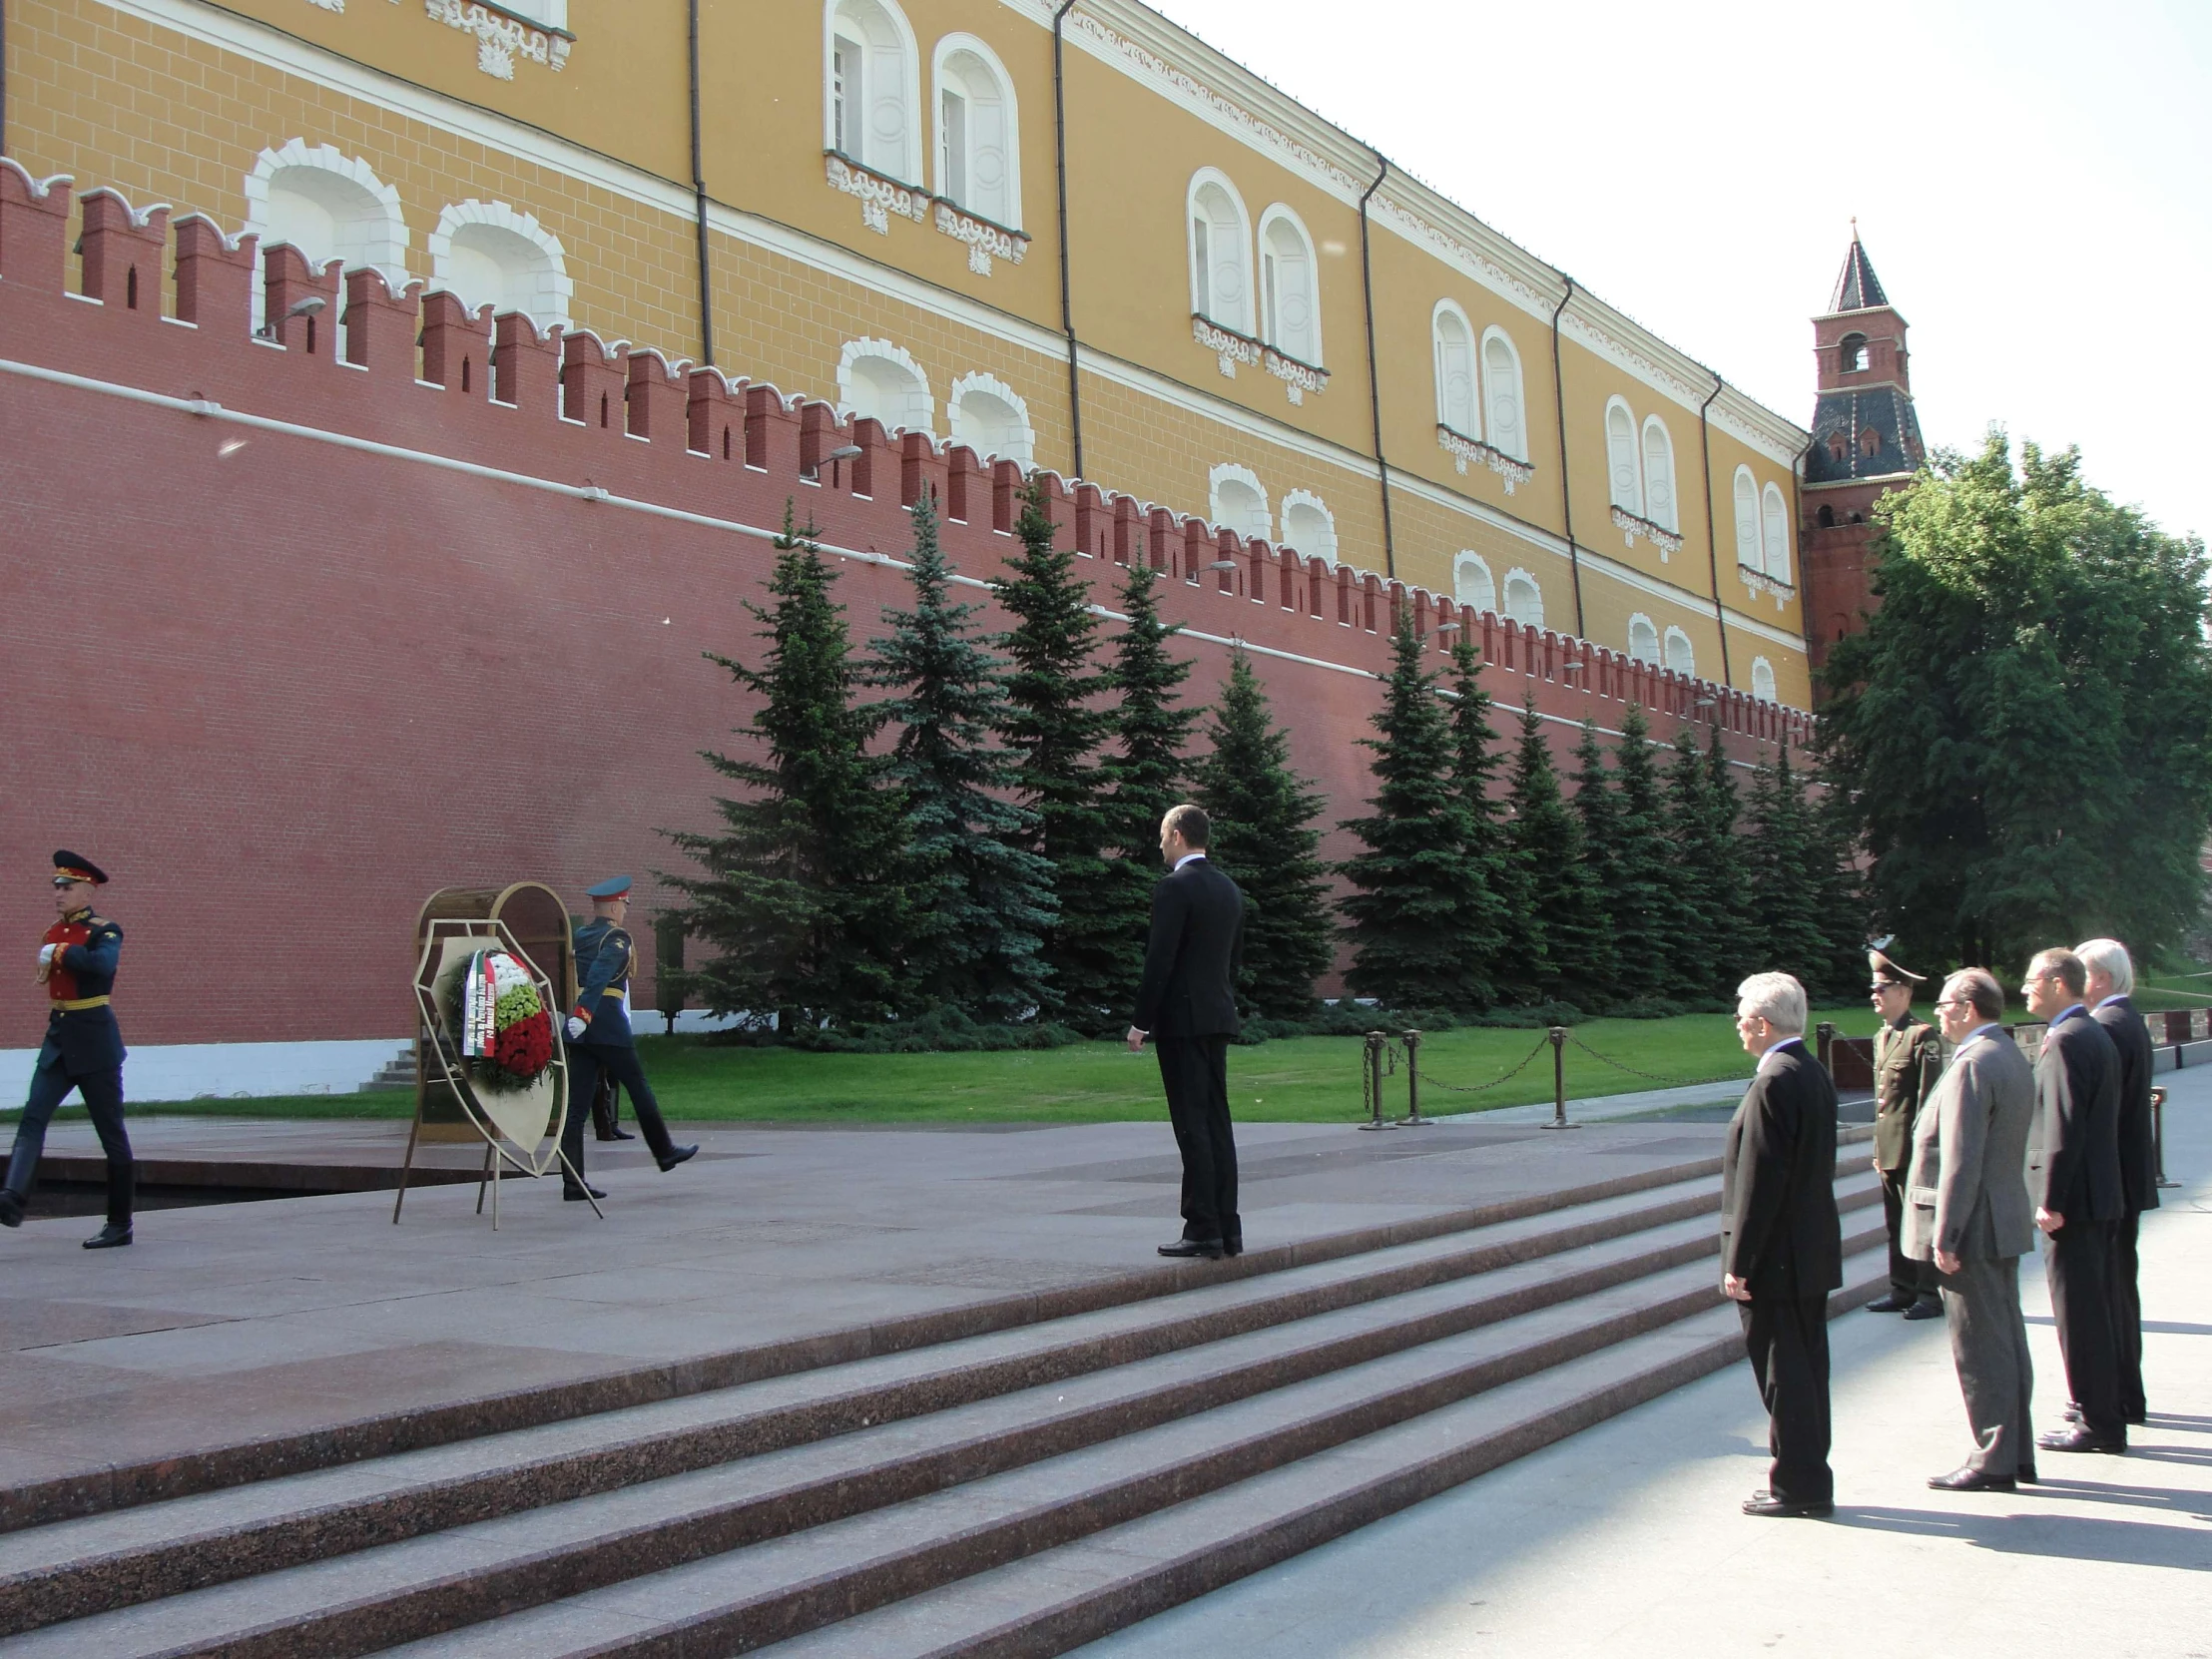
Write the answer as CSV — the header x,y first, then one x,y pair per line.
x,y
1073,235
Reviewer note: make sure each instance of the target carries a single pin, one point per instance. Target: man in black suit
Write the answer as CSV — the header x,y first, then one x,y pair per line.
x,y
1187,1004
2110,975
2074,1174
1782,1247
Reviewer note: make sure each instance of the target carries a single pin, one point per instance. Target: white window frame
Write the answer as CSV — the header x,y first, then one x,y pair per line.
x,y
1748,551
1517,574
1203,302
1633,438
906,167
1471,424
1307,498
455,214
1520,400
1270,326
1668,642
1229,472
855,350
1762,680
1774,533
1467,561
1672,519
1026,444
1638,619
948,48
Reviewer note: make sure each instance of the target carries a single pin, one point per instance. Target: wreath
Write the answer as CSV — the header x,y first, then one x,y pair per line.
x,y
497,1021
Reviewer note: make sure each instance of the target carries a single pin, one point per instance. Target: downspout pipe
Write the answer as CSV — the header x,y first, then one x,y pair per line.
x,y
1060,169
1566,493
3,77
698,203
1375,370
1712,528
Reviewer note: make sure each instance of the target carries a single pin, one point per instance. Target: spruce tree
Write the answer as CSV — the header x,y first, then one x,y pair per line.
x,y
1781,856
1569,948
799,898
1640,893
1688,818
1839,907
980,901
1056,725
1732,918
1500,901
1265,839
1414,889
1598,813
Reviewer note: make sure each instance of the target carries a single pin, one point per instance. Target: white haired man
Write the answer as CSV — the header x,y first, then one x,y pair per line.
x,y
2108,988
1782,1247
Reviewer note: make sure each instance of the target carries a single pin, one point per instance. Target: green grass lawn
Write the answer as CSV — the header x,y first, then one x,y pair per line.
x,y
1298,1080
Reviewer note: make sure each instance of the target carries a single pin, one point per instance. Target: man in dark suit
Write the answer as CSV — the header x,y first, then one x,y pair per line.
x,y
2074,1174
2110,984
1187,1004
1782,1247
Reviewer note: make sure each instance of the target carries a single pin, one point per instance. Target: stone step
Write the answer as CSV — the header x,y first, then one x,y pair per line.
x,y
398,1073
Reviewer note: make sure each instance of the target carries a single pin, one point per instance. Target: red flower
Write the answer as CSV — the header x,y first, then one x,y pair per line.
x,y
525,1048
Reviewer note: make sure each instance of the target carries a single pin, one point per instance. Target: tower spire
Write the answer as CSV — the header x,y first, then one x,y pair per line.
x,y
1857,288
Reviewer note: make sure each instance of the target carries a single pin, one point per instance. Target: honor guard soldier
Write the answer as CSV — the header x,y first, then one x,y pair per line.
x,y
83,1048
1907,1060
599,1040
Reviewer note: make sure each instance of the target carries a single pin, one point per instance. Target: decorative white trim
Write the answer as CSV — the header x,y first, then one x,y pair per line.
x,y
1307,498
1633,525
500,39
1762,585
1229,472
325,158
1635,652
1505,596
1302,377
1463,450
439,246
981,48
880,195
1226,343
992,385
853,351
1760,669
1667,642
329,5
1460,561
985,239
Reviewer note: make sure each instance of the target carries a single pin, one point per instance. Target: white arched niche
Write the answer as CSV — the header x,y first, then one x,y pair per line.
x,y
990,418
1221,252
488,253
1775,533
1289,286
329,206
1643,639
1235,500
883,381
1309,526
1659,474
1524,600
871,83
979,138
1762,680
1457,402
1502,393
1623,478
1747,520
1678,653
1471,584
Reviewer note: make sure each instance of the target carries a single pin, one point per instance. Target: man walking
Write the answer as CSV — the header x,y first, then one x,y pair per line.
x,y
1782,1247
1967,1213
1187,1004
2109,975
599,1038
1908,1058
2074,1174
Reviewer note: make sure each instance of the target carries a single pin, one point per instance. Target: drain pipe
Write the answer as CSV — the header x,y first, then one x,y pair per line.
x,y
3,77
698,203
1375,370
1712,528
1566,495
1060,165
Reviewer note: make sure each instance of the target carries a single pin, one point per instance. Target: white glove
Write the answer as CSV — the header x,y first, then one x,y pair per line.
x,y
577,1026
46,954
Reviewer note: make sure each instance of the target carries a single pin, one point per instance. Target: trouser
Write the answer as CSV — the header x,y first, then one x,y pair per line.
x,y
2127,1313
1786,1339
2077,1261
1909,1281
103,1092
606,1110
1989,1346
587,1062
1195,1073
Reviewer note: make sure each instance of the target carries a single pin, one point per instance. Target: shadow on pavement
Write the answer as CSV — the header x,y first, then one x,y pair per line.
x,y
2063,1537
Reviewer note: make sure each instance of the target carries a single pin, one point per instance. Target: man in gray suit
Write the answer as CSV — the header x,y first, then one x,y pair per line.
x,y
1967,1209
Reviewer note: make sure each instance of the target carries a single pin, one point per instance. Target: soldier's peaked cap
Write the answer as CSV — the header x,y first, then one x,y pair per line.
x,y
1887,973
615,887
75,867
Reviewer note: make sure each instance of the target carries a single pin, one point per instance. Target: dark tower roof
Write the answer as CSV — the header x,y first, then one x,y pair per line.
x,y
1857,288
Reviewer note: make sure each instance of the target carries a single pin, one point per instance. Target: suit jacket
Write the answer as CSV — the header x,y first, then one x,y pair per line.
x,y
1907,1060
605,955
1966,1186
1191,959
2138,1147
1779,1232
2073,1152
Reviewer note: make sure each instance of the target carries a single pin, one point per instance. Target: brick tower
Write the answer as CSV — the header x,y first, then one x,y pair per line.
x,y
1866,439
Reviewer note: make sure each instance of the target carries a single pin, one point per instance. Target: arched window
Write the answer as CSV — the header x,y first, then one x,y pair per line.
x,y
1289,293
1221,252
979,144
1659,474
883,381
1524,600
1309,526
870,84
488,253
1828,516
1472,584
1236,501
1869,442
1501,389
990,418
1621,472
1762,680
1679,654
1453,338
1850,354
1747,521
1643,639
329,207
1777,534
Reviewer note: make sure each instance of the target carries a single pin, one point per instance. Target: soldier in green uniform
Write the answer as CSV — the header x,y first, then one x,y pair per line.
x,y
599,1040
1908,1059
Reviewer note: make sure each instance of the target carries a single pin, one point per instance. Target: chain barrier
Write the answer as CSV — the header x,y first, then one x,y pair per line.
x,y
1652,1076
1543,1043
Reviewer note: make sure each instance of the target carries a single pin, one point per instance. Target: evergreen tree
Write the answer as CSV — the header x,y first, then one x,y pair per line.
x,y
1640,890
1732,918
1598,813
1567,943
1500,899
1056,724
1839,909
1784,864
799,898
1414,890
980,901
1688,815
1265,839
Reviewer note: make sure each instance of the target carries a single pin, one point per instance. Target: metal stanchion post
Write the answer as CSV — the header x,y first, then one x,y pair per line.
x,y
1824,1035
2158,1134
1374,1064
1559,1080
1412,1082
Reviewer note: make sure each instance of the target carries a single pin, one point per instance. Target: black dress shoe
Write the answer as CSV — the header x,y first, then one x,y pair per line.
x,y
2025,1476
2072,1412
1235,1246
1211,1248
1971,1480
618,1135
1890,1304
1924,1310
11,1208
2079,1438
676,1155
1766,1503
2138,1418
114,1236
577,1194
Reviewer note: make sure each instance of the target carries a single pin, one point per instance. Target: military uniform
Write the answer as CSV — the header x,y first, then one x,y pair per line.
x,y
1907,1060
600,1043
82,1051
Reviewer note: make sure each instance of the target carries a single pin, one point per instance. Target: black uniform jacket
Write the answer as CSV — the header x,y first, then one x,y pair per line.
x,y
605,957
2138,1147
83,1040
1779,1232
2073,1152
1191,960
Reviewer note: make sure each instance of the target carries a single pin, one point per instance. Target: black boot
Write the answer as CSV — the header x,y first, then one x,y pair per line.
x,y
575,1192
606,1113
111,1236
676,1155
22,1166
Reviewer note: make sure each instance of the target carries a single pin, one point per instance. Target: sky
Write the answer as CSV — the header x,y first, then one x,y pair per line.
x,y
2032,182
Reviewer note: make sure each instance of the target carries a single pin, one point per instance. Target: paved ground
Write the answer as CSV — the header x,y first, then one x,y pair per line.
x,y
1626,1538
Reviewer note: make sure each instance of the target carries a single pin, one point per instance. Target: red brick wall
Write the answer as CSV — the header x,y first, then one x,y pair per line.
x,y
285,686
